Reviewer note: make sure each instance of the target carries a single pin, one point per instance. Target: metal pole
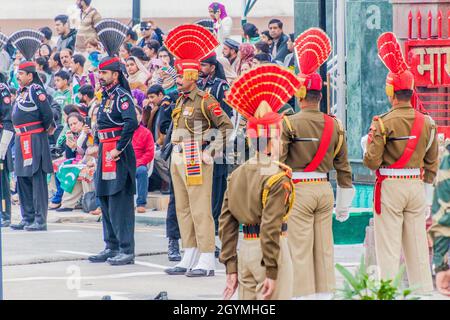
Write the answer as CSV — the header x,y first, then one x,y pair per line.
x,y
136,12
323,69
341,100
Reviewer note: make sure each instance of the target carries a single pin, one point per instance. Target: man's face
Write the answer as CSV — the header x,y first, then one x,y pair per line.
x,y
79,4
74,66
24,78
147,31
106,77
155,99
206,69
60,83
61,28
227,52
275,31
184,84
66,59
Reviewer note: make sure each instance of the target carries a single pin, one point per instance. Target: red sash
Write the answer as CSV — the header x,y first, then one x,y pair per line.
x,y
416,130
109,166
325,141
25,140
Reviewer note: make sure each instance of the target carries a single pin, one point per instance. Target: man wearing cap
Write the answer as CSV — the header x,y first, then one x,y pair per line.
x,y
402,149
32,118
230,60
260,196
313,144
7,133
199,134
115,178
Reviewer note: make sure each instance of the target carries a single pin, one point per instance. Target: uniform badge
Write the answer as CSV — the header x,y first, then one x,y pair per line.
x,y
188,111
6,100
217,111
42,97
125,105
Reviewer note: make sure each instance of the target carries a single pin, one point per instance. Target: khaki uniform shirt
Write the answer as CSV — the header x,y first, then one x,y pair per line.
x,y
398,123
243,204
309,123
192,123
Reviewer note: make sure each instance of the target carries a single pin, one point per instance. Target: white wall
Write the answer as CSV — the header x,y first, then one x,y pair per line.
x,y
47,9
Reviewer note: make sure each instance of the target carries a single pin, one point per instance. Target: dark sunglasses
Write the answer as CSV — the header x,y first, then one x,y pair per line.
x,y
146,28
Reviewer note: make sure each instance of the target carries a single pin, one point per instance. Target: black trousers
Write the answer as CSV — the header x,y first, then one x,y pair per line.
x,y
218,191
118,221
6,194
33,196
172,228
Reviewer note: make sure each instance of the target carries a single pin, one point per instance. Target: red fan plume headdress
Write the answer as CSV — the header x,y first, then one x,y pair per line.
x,y
312,48
190,44
399,76
259,94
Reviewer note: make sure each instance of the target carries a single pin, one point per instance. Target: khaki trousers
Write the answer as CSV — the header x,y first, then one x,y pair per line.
x,y
193,205
70,200
251,274
311,238
401,225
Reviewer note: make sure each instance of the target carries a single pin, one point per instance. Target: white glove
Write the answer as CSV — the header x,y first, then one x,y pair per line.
x,y
429,191
364,143
342,214
4,143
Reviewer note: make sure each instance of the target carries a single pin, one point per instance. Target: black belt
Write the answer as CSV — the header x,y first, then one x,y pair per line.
x,y
109,135
27,127
251,231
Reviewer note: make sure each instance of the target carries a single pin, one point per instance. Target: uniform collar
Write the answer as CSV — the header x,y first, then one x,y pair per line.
x,y
403,105
191,95
310,110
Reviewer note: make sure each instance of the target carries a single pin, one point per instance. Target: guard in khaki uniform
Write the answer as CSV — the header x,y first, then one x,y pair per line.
x,y
260,192
313,144
402,148
197,118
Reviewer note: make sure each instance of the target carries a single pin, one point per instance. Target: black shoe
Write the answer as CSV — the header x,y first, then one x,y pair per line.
x,y
36,227
197,273
174,250
5,224
217,252
162,296
64,210
176,271
20,226
103,256
121,259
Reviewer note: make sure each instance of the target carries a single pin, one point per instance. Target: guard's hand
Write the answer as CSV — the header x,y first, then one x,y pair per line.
x,y
443,282
232,284
207,159
342,214
268,288
114,154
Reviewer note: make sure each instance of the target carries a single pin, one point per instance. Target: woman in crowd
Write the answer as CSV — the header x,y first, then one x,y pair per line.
x,y
55,66
262,47
250,33
223,24
125,51
166,75
137,74
266,37
94,54
246,55
77,140
45,51
43,66
289,61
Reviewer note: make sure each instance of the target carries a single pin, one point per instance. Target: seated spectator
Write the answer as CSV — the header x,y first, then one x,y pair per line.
x,y
289,62
55,66
86,97
246,55
94,54
47,40
250,33
150,31
89,17
79,76
278,48
45,51
166,75
144,149
230,60
140,54
66,56
137,74
261,58
223,24
67,36
125,52
151,49
266,37
63,94
155,111
262,47
138,97
42,66
132,38
76,145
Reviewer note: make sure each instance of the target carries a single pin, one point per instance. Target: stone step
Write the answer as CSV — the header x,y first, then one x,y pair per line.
x,y
157,201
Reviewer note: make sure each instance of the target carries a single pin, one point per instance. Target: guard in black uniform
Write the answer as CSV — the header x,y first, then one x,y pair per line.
x,y
212,80
7,133
115,178
32,118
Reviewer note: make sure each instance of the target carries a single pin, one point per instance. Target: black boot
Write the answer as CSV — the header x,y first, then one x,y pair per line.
x,y
174,250
121,259
36,227
20,226
217,252
103,256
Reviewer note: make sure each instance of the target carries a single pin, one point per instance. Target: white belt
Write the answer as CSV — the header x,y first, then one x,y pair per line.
x,y
400,172
308,175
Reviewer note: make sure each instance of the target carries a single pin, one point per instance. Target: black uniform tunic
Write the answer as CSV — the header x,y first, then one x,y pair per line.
x,y
6,124
116,196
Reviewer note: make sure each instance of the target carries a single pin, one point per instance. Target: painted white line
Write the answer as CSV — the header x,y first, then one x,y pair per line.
x,y
102,277
40,232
